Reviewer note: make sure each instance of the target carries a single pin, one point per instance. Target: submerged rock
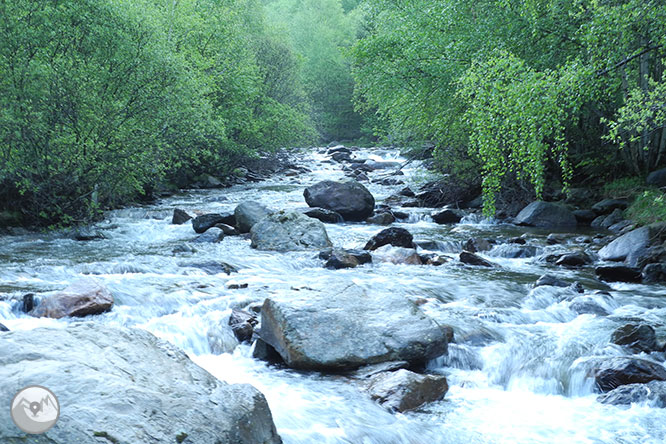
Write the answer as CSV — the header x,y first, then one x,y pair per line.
x,y
340,326
652,393
550,280
397,255
122,385
615,372
350,199
248,214
82,298
397,237
546,215
385,218
211,236
405,390
289,231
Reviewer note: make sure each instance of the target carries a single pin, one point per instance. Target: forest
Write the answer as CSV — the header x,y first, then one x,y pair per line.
x,y
104,102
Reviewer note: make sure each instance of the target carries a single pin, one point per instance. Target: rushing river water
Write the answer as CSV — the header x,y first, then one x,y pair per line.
x,y
518,372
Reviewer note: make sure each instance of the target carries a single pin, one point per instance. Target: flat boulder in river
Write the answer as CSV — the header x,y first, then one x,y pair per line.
x,y
82,298
405,390
631,247
619,371
395,236
202,223
126,386
350,199
546,215
289,231
339,326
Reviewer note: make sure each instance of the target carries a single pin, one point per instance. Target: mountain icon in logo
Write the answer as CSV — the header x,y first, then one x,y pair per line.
x,y
35,409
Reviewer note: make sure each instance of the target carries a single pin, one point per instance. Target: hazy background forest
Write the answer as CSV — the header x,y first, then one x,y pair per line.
x,y
105,101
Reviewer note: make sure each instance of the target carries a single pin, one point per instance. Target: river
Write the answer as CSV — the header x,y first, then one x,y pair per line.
x,y
518,372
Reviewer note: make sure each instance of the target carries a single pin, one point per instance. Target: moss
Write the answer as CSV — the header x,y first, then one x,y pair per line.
x,y
106,436
648,207
181,437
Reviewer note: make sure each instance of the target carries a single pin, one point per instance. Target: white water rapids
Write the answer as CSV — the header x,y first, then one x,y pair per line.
x,y
517,372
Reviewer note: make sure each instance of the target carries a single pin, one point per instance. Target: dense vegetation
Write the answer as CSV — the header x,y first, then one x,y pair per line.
x,y
520,88
101,101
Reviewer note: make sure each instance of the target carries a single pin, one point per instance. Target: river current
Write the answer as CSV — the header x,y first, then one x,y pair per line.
x,y
518,371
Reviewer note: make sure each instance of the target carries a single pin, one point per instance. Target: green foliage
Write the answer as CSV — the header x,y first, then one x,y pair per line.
x,y
649,207
101,99
624,188
526,85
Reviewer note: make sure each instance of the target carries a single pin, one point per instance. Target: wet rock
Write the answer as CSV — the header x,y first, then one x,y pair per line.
x,y
615,372
338,326
405,390
443,192
180,216
631,247
584,217
228,230
576,259
618,273
605,222
289,231
640,337
350,199
184,248
93,367
206,221
397,255
607,206
324,215
550,280
397,237
545,215
212,235
248,214
3,328
341,157
657,178
434,259
555,239
382,165
87,234
338,149
654,273
221,339
242,323
587,305
385,218
339,259
407,192
213,267
389,181
472,259
82,298
448,216
265,352
652,393
514,251
368,371
517,240
621,226
476,245
400,214
28,302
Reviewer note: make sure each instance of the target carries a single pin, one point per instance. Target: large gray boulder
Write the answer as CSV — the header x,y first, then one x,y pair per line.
x,y
633,246
249,213
546,215
82,298
125,386
289,231
618,371
339,326
351,199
